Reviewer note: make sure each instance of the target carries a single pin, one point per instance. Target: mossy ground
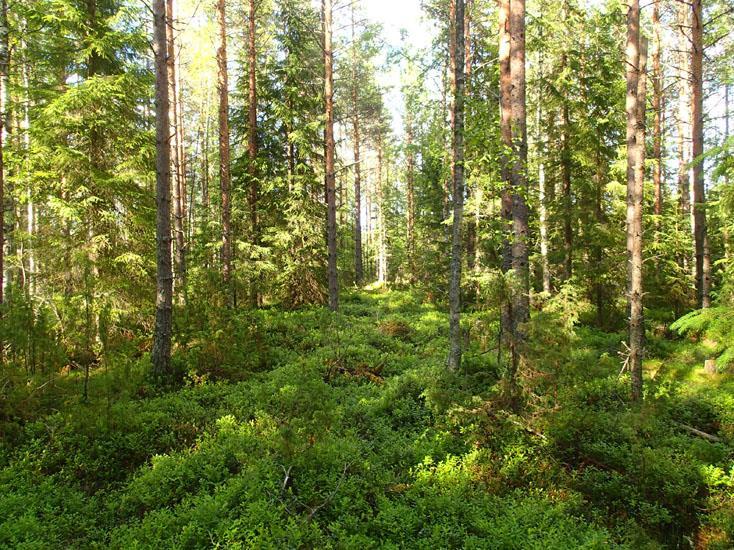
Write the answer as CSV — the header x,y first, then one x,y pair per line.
x,y
312,430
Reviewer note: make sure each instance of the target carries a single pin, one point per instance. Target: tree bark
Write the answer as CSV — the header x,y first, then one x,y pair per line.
x,y
505,159
520,253
178,199
635,173
329,169
454,362
566,188
161,351
657,106
410,182
684,139
700,229
4,62
381,233
358,263
252,125
224,152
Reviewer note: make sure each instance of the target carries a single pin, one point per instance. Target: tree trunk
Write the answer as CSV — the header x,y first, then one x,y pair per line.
x,y
454,361
684,111
567,198
252,132
4,54
505,159
542,206
329,169
635,171
381,233
700,232
224,154
410,181
520,254
178,199
657,106
161,352
358,264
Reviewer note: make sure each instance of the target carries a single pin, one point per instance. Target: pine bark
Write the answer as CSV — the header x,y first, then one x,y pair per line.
x,y
410,182
700,229
329,157
381,232
454,362
657,106
635,171
173,107
358,261
566,190
225,178
4,62
684,82
252,145
520,226
161,351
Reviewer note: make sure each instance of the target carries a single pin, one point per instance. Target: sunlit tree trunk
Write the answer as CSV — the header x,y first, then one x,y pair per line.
x,y
542,203
178,199
380,199
566,190
657,106
684,82
410,183
329,168
358,263
252,145
700,230
161,351
4,61
454,361
224,152
520,227
505,157
635,173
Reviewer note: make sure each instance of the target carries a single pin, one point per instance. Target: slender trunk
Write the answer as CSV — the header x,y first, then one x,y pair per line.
x,y
471,222
4,54
410,181
567,198
700,230
329,169
505,159
358,265
381,237
635,171
454,362
30,278
520,228
224,155
684,82
161,352
178,199
252,125
657,106
542,206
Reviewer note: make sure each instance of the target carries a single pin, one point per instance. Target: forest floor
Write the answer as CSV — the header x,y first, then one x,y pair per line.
x,y
305,429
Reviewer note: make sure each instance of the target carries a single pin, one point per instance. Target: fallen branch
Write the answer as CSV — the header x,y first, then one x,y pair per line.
x,y
699,433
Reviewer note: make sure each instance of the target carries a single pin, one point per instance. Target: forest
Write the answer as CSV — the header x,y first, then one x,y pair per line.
x,y
366,274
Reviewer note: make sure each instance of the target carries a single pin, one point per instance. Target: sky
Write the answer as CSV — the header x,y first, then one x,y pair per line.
x,y
394,16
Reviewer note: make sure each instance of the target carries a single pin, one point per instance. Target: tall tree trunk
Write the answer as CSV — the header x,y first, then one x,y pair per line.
x,y
4,61
684,83
225,178
329,169
542,203
635,171
566,188
25,130
454,361
252,130
700,230
173,118
410,181
520,228
505,160
358,264
657,106
381,233
161,352
471,222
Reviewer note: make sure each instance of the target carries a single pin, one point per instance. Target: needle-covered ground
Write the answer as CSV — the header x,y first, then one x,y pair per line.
x,y
308,430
